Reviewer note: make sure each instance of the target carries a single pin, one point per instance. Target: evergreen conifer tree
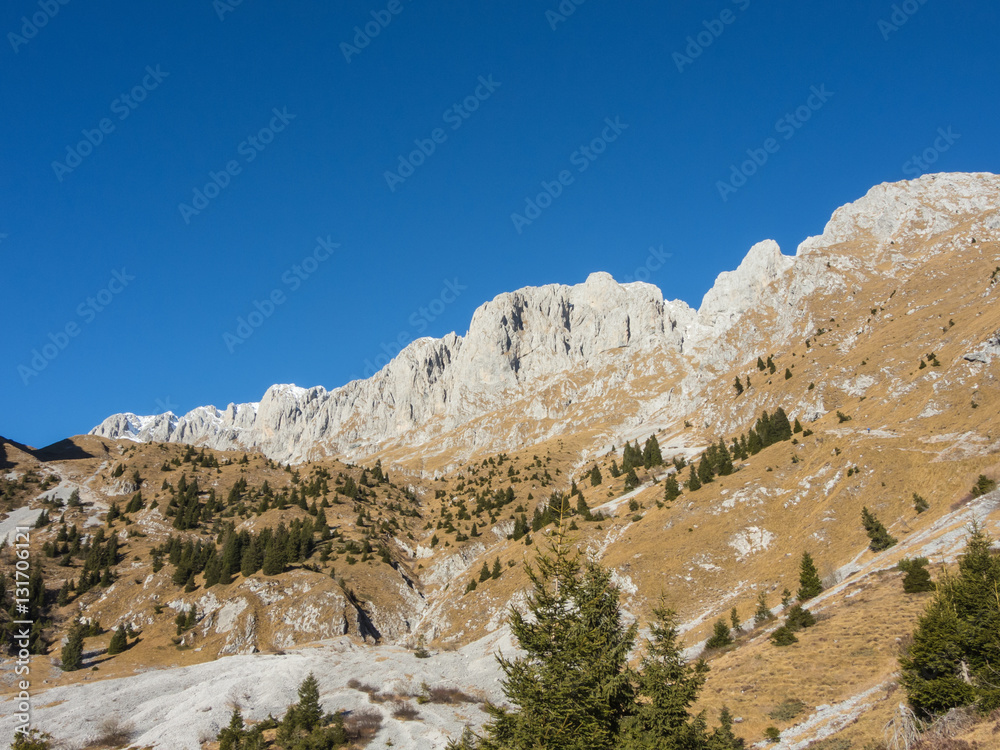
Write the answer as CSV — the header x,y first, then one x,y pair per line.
x,y
779,426
705,471
308,711
879,537
230,738
917,578
738,386
572,688
671,490
72,652
720,636
952,659
724,461
595,477
651,455
274,558
668,687
809,583
631,480
119,641
484,573
693,482
763,612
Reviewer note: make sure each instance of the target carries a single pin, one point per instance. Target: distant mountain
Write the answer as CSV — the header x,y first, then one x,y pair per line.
x,y
605,356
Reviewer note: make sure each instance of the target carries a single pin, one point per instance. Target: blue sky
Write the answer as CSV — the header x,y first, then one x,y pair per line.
x,y
168,169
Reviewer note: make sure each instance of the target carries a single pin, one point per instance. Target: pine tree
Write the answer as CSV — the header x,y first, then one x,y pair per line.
x,y
952,659
720,636
72,652
763,612
734,619
788,374
495,573
484,573
595,477
797,428
308,711
723,738
705,471
779,426
671,490
230,738
809,583
119,641
724,461
631,480
760,364
274,558
880,538
983,485
919,504
917,578
738,386
668,686
783,636
651,455
693,482
572,688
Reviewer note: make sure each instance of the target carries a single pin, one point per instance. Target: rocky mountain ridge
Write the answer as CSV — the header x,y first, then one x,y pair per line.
x,y
556,351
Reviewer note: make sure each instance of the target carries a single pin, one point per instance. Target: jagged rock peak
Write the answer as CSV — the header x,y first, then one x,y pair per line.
x,y
735,292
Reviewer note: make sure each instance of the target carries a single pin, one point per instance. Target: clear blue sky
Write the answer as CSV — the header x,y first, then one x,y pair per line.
x,y
179,93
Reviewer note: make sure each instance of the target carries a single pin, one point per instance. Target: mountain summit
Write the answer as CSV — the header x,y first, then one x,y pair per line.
x,y
602,354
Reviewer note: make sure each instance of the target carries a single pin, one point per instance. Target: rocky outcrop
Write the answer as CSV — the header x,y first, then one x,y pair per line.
x,y
559,353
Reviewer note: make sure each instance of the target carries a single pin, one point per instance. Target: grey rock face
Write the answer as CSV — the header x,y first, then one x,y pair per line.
x,y
561,353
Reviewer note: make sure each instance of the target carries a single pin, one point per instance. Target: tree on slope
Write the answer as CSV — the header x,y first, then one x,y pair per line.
x,y
72,652
880,538
956,646
668,686
573,687
809,583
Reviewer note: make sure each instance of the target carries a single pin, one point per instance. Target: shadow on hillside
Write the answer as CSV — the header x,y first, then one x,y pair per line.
x,y
64,450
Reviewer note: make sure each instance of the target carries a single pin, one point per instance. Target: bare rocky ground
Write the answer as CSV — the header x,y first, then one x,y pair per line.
x,y
181,708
